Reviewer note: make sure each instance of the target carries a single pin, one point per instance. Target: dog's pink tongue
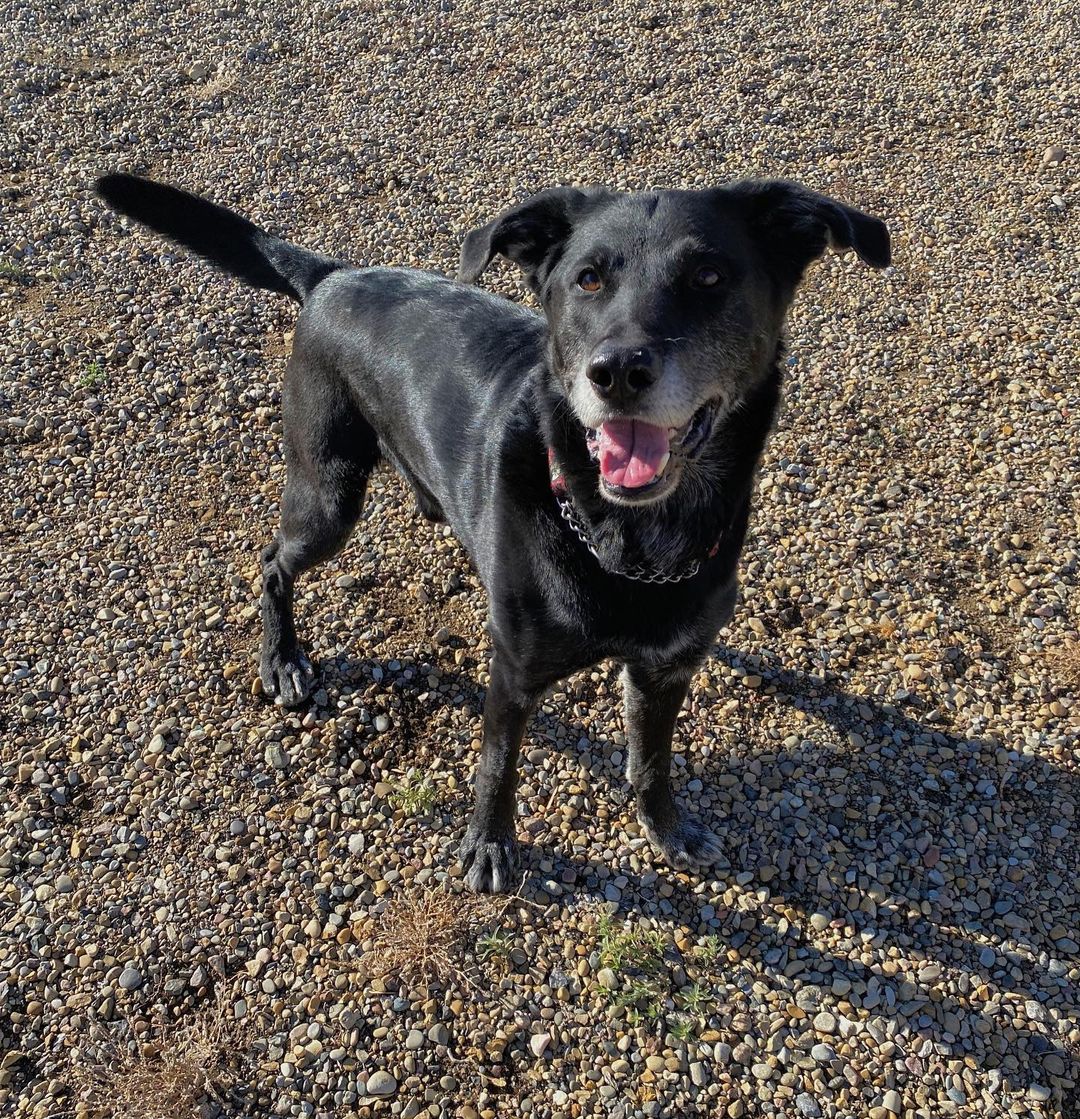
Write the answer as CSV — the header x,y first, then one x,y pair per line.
x,y
631,452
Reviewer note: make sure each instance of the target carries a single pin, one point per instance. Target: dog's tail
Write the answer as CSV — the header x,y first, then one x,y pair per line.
x,y
225,239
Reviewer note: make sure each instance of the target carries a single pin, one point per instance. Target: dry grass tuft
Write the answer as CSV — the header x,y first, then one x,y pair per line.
x,y
1064,662
191,1063
226,82
886,628
423,935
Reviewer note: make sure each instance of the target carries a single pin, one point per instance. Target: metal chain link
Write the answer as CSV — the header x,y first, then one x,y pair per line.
x,y
638,572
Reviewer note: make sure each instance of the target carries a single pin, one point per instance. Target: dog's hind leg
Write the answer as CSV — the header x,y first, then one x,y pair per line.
x,y
652,697
330,451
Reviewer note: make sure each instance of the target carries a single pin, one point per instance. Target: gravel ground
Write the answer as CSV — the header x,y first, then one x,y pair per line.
x,y
209,906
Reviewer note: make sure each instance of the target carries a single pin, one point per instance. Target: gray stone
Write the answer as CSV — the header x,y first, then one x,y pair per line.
x,y
131,979
276,756
381,1083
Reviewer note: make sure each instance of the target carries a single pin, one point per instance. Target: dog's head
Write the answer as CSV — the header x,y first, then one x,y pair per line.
x,y
665,309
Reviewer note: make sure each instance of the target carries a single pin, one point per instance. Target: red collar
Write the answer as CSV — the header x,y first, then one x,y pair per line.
x,y
558,482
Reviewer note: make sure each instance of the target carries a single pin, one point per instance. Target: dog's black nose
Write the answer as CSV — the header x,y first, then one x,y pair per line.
x,y
620,375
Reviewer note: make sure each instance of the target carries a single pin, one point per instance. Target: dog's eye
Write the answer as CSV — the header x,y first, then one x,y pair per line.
x,y
706,277
589,280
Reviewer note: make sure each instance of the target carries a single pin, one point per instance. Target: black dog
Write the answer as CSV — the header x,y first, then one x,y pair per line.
x,y
596,462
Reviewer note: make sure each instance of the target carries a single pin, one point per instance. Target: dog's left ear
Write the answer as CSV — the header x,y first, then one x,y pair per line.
x,y
530,234
799,224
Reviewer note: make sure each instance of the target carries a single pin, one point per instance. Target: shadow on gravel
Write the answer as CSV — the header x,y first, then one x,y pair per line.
x,y
917,801
952,876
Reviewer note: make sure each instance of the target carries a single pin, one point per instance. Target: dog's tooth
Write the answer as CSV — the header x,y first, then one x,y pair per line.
x,y
663,463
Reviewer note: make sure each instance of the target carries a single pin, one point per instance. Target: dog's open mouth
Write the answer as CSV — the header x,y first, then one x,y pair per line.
x,y
635,457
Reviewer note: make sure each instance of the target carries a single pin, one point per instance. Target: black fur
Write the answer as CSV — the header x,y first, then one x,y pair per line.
x,y
467,394
218,235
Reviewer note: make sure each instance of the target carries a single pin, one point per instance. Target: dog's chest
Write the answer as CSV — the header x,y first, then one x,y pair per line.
x,y
678,643
665,641
642,625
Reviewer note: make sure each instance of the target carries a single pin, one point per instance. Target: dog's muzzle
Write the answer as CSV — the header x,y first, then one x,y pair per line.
x,y
634,455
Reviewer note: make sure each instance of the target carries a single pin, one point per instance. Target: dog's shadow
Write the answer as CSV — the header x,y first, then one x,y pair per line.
x,y
915,850
953,875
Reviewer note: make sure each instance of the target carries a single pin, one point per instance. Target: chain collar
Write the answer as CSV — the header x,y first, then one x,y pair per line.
x,y
638,572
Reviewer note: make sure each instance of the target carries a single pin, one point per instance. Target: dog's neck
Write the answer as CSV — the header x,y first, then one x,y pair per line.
x,y
704,520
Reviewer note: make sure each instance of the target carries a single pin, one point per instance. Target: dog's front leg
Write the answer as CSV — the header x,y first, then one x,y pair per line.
x,y
652,697
488,851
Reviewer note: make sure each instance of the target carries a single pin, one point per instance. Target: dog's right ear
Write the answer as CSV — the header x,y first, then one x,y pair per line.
x,y
530,234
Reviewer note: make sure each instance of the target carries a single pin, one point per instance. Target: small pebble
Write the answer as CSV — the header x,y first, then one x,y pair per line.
x,y
538,1043
131,979
381,1084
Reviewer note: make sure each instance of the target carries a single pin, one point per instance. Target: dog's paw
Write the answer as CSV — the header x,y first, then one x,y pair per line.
x,y
489,864
685,843
287,677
